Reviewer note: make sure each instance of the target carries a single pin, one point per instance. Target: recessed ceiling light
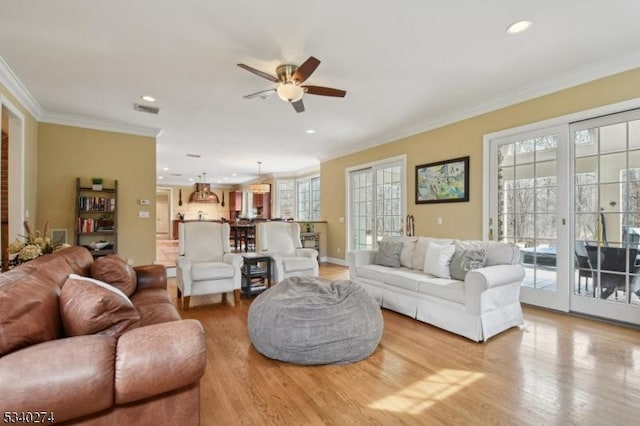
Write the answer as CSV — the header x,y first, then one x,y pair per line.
x,y
165,169
160,177
190,179
234,174
310,131
226,178
148,98
518,27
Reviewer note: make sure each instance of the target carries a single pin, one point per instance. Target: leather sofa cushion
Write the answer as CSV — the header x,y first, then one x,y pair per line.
x,y
28,311
114,270
201,271
88,306
155,313
150,296
70,377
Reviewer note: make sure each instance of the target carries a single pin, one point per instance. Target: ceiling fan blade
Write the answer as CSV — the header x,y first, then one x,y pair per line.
x,y
324,91
298,106
259,73
306,69
261,94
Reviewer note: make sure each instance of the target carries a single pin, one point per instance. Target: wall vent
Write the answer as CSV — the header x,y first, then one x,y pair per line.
x,y
147,109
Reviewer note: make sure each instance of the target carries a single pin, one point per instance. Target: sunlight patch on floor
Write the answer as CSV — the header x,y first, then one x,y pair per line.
x,y
422,395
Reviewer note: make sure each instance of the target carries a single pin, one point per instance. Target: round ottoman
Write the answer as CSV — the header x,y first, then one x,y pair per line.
x,y
306,320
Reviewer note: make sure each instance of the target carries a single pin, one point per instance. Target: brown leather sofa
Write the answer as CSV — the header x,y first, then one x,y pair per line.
x,y
147,373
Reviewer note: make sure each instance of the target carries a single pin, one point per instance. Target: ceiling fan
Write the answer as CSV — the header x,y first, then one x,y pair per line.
x,y
291,78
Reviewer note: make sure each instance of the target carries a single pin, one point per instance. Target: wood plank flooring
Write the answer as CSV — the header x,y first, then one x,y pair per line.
x,y
557,370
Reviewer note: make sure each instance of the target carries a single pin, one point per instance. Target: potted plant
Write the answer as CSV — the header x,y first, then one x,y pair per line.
x,y
96,184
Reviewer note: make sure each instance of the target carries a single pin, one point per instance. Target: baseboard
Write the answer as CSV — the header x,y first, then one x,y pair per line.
x,y
340,262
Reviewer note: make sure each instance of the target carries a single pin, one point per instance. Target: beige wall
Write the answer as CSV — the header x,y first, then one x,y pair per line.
x,y
66,153
460,220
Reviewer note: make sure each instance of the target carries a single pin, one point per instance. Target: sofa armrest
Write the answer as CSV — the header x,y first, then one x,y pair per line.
x,y
307,252
504,279
69,377
151,276
159,358
361,257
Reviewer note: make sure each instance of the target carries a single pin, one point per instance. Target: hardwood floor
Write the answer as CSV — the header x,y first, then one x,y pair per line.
x,y
557,370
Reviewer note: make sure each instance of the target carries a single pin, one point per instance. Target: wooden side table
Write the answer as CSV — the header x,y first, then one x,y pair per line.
x,y
252,270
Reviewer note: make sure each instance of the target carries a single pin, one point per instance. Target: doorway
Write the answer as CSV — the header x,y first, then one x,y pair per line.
x,y
163,208
12,204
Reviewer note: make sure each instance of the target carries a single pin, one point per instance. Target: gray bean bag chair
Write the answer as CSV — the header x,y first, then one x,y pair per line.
x,y
306,320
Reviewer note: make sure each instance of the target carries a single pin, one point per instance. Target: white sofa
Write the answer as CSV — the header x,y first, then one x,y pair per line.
x,y
483,305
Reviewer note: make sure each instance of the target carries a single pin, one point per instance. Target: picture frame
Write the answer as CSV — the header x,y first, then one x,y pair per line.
x,y
443,181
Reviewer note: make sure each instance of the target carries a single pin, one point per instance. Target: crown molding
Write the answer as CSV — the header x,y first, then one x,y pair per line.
x,y
18,90
98,124
13,84
560,82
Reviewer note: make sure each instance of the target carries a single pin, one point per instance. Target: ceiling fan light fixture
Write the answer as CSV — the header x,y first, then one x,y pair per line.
x,y
290,92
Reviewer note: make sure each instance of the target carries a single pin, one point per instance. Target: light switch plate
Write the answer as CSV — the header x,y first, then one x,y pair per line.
x,y
143,214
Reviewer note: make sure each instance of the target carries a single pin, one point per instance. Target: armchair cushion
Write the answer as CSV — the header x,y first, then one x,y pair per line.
x,y
196,241
89,306
211,271
114,270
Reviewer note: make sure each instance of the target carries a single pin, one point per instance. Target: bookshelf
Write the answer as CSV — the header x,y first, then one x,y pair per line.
x,y
96,218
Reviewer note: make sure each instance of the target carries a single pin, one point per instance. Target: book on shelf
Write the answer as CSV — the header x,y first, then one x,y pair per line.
x,y
88,204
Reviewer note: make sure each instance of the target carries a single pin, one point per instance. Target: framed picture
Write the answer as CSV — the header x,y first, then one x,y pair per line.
x,y
443,181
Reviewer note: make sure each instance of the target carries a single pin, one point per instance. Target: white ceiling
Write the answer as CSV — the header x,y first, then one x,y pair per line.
x,y
407,66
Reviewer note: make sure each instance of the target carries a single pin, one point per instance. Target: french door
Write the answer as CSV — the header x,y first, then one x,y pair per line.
x,y
376,199
606,229
528,206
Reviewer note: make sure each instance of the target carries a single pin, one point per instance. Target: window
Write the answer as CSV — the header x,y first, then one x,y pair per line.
x,y
299,198
286,198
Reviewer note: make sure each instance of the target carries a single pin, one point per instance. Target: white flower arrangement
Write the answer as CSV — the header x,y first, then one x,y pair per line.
x,y
32,245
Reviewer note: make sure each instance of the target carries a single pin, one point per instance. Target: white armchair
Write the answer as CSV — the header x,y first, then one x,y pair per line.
x,y
281,241
205,264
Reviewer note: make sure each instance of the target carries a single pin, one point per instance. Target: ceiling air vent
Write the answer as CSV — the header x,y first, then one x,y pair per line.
x,y
194,155
147,109
176,174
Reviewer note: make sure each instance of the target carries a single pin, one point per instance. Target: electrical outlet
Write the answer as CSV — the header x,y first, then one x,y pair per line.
x,y
439,220
338,249
143,214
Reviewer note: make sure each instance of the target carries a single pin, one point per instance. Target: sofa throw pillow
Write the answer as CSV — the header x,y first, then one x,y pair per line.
x,y
89,306
438,259
116,271
388,254
465,260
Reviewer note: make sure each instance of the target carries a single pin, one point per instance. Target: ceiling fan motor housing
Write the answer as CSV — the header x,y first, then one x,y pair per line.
x,y
285,73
